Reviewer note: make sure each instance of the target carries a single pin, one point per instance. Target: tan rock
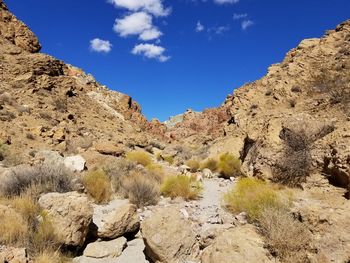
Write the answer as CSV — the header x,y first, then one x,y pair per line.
x,y
115,220
109,149
13,255
240,244
71,214
105,249
168,237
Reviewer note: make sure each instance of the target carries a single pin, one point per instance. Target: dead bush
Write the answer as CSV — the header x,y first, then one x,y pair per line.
x,y
141,189
286,237
98,186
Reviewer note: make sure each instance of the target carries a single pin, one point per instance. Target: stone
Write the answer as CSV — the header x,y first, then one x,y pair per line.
x,y
239,244
47,157
133,252
105,249
13,255
71,214
168,237
207,173
109,149
116,219
75,163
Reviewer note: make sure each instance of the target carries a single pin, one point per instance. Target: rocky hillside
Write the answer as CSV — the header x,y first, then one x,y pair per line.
x,y
45,103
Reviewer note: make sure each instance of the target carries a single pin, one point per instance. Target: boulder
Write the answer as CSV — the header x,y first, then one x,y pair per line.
x,y
207,173
109,149
75,163
71,214
133,252
13,255
51,158
105,249
168,237
116,219
240,244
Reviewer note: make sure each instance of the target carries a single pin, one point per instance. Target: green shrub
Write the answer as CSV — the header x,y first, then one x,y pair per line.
x,y
141,189
229,165
181,186
98,186
139,157
193,164
252,196
211,164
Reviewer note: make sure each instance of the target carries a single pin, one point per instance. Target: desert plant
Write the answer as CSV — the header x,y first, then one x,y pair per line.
x,y
50,257
40,179
229,165
211,164
252,196
98,185
194,165
168,158
141,189
286,237
3,151
14,228
156,172
26,206
181,186
139,157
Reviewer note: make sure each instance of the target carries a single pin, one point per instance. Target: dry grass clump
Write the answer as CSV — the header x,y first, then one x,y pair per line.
x,y
181,186
26,206
41,178
252,196
169,159
142,190
211,164
14,229
50,257
8,157
156,172
194,165
139,157
98,186
286,237
229,165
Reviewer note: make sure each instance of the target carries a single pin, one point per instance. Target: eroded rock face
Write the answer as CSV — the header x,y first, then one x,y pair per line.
x,y
240,244
16,32
169,238
70,213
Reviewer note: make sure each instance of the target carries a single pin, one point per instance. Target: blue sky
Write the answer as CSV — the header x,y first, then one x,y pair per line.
x,y
174,55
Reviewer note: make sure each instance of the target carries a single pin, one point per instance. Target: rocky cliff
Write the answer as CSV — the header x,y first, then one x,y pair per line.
x,y
45,103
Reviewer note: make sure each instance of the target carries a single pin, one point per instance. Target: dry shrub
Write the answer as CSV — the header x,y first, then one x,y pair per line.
x,y
181,186
50,257
14,228
286,237
26,206
194,165
40,179
229,165
252,196
8,157
211,164
141,189
139,157
169,159
156,172
98,186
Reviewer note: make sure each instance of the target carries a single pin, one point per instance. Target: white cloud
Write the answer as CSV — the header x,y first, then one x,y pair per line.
x,y
150,51
154,7
150,34
99,45
221,2
199,27
246,23
239,16
133,24
218,29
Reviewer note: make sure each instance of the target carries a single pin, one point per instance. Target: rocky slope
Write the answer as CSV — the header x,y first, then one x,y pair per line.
x,y
45,103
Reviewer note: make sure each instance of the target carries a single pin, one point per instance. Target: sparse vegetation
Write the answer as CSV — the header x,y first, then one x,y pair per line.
x,y
139,157
229,165
156,172
98,185
38,179
286,237
141,189
211,164
252,196
14,229
169,159
194,165
181,186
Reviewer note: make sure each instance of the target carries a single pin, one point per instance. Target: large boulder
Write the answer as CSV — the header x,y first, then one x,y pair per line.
x,y
71,214
75,163
13,255
116,219
169,237
240,244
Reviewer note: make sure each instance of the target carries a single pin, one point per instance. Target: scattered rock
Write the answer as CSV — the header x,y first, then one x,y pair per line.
x,y
105,249
75,163
109,149
13,255
71,214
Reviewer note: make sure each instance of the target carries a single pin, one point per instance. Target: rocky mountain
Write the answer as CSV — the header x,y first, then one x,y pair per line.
x,y
45,103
